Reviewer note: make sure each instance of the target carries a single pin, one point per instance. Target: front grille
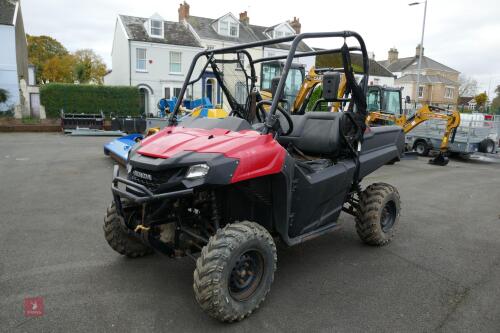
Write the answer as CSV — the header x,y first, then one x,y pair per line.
x,y
158,178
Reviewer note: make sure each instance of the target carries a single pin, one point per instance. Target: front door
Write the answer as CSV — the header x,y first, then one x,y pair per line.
x,y
35,105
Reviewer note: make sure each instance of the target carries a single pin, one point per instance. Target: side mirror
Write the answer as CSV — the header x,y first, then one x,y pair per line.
x,y
331,83
407,99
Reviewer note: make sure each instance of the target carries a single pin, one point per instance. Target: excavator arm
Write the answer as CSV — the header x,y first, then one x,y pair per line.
x,y
452,122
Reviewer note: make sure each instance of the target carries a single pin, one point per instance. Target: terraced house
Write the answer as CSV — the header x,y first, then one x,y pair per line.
x,y
438,83
154,54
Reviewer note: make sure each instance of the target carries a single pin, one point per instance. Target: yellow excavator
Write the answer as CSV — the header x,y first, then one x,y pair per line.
x,y
384,106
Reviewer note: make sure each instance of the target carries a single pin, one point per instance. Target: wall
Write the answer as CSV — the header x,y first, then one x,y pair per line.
x,y
8,67
120,58
21,47
157,75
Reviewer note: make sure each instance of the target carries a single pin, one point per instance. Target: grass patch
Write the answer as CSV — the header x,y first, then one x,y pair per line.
x,y
30,121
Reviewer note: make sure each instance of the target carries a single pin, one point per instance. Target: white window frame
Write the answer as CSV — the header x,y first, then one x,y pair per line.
x,y
241,57
225,24
423,92
210,47
236,29
175,63
449,92
160,35
278,34
142,60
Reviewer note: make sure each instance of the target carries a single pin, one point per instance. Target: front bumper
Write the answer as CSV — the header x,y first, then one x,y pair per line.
x,y
145,195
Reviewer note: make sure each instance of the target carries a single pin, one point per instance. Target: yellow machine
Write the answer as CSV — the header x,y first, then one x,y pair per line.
x,y
312,79
384,106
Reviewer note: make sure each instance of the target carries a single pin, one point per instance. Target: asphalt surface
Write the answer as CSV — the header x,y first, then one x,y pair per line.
x,y
441,273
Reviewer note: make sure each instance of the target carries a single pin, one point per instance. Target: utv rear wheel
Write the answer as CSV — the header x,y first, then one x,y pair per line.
x,y
120,238
378,215
235,271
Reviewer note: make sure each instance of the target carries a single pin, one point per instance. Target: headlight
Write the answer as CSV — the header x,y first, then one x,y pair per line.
x,y
197,171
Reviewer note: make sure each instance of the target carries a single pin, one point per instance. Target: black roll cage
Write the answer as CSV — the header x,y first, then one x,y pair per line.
x,y
295,41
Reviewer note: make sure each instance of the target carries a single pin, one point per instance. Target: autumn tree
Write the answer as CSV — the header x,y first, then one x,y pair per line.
x,y
40,50
89,67
481,99
60,69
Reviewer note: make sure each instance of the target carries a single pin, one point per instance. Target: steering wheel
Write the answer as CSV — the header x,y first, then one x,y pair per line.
x,y
282,111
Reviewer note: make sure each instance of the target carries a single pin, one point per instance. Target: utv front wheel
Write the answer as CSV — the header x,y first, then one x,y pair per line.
x,y
235,271
120,238
378,215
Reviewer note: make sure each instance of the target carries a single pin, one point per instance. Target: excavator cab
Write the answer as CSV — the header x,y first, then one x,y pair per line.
x,y
384,105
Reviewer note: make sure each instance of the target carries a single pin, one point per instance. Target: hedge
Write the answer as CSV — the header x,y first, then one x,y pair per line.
x,y
79,98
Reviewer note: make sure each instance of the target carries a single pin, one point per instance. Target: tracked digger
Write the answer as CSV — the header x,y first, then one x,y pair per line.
x,y
384,107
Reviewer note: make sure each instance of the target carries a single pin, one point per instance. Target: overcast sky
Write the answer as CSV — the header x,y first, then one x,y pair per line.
x,y
464,35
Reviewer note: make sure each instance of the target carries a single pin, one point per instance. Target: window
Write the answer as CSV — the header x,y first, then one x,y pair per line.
x,y
448,92
140,61
278,34
373,100
177,92
421,92
210,47
392,102
224,28
241,63
240,93
233,30
167,93
156,28
175,62
228,28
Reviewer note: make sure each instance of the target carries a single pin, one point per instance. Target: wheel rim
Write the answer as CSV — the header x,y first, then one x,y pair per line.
x,y
388,216
420,148
489,148
246,275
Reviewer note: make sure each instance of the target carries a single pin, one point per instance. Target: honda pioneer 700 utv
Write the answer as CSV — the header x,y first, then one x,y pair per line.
x,y
223,191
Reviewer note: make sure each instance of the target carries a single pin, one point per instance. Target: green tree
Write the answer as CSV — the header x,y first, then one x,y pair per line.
x,y
89,67
481,99
495,104
40,50
4,95
60,69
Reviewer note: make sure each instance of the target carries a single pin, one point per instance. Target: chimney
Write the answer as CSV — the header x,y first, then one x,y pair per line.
x,y
392,55
295,24
183,11
417,50
244,17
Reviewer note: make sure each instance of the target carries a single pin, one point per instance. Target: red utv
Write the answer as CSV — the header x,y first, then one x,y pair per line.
x,y
223,191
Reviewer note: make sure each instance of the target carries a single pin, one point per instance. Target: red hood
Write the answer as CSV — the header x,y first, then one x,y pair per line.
x,y
258,154
173,140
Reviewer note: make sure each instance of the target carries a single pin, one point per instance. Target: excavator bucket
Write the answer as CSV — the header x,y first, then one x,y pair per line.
x,y
441,160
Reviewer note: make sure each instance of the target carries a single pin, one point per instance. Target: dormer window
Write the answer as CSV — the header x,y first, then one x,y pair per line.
x,y
228,28
156,27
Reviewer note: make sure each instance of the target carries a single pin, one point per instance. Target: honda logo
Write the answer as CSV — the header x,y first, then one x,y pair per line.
x,y
142,175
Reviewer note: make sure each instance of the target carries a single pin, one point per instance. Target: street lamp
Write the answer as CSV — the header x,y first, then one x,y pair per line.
x,y
421,47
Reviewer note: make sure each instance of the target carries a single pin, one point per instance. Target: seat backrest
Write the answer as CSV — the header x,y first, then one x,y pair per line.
x,y
315,133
